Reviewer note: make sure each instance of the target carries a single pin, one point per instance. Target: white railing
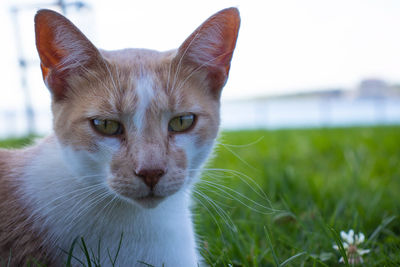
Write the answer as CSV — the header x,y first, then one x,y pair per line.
x,y
294,113
265,114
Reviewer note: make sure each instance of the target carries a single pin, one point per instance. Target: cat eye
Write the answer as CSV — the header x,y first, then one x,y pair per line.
x,y
181,123
107,127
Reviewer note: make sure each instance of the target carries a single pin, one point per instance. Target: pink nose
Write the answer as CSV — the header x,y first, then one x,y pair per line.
x,y
150,176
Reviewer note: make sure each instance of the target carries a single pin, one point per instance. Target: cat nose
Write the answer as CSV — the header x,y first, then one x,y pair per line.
x,y
150,176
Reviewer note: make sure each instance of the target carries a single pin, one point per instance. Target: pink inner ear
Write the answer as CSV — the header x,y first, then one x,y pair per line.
x,y
62,48
212,45
46,25
216,41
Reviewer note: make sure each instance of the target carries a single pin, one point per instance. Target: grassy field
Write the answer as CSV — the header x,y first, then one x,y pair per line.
x,y
317,182
279,198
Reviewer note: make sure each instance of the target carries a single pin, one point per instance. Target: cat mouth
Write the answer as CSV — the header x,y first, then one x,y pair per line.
x,y
150,200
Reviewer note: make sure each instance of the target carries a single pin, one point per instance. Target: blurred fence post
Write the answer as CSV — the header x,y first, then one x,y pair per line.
x,y
30,115
25,63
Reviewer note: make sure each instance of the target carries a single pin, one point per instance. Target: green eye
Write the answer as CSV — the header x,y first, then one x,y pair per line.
x,y
181,123
107,127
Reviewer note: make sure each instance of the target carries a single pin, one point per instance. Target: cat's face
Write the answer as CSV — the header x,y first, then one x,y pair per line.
x,y
136,94
139,121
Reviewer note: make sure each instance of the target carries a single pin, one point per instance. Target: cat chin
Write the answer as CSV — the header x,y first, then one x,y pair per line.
x,y
149,202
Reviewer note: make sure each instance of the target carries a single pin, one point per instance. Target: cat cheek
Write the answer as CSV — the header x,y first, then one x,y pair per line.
x,y
84,164
109,146
193,150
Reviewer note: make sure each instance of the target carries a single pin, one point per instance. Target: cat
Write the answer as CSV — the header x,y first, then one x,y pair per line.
x,y
131,131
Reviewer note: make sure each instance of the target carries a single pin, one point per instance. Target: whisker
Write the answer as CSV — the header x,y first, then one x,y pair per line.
x,y
104,208
238,157
216,192
208,210
245,145
255,187
73,193
232,194
53,203
223,215
85,208
93,200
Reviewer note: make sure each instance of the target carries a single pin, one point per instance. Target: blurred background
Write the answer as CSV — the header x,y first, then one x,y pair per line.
x,y
309,63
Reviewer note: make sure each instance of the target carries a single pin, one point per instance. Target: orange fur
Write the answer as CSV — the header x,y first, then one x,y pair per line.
x,y
19,240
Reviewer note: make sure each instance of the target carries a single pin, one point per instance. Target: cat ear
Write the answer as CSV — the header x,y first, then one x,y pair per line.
x,y
63,50
211,46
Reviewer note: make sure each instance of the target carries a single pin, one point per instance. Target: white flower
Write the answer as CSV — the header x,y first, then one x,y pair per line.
x,y
351,244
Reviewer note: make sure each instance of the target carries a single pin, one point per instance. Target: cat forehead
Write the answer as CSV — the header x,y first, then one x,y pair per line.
x,y
140,70
136,59
137,78
141,80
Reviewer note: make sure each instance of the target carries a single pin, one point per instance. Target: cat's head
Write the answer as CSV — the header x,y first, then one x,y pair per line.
x,y
139,121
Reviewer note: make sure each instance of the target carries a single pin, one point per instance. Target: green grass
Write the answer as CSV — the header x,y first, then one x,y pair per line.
x,y
321,180
280,198
17,142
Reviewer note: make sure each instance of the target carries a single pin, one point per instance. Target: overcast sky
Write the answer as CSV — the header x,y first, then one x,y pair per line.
x,y
284,46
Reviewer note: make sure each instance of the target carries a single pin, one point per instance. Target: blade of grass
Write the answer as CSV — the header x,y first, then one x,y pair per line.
x,y
315,260
96,258
70,252
35,262
378,229
118,249
148,265
9,259
292,258
339,243
276,260
75,258
85,250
